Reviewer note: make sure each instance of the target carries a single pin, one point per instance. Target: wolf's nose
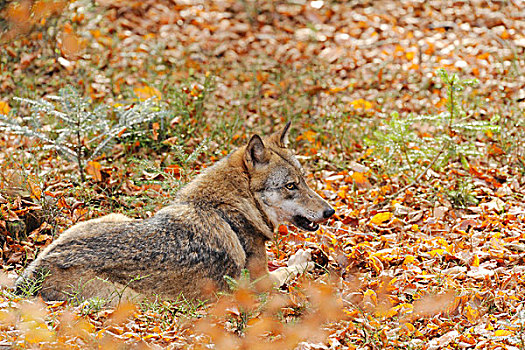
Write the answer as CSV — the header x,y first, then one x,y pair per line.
x,y
328,212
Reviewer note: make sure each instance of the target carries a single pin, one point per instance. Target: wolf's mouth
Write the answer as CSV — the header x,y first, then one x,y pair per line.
x,y
304,223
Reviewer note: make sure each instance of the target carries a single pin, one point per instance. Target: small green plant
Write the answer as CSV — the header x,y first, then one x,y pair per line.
x,y
92,306
234,284
75,293
415,144
462,196
31,286
173,175
246,313
188,103
70,125
119,292
164,312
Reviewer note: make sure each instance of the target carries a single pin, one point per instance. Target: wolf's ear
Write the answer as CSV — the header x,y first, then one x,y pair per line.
x,y
281,138
256,152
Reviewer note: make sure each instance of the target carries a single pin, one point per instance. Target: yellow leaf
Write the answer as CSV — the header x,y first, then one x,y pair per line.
x,y
502,333
370,295
146,92
410,327
361,104
410,55
432,326
4,107
380,218
436,252
376,264
409,259
475,261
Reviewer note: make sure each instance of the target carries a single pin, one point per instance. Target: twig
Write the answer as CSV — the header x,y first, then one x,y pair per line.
x,y
418,177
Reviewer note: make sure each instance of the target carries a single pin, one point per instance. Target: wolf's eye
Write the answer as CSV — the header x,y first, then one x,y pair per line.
x,y
290,186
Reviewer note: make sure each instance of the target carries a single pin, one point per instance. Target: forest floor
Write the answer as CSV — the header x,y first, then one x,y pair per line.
x,y
408,117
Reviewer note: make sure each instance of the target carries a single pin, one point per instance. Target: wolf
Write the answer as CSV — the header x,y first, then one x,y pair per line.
x,y
217,225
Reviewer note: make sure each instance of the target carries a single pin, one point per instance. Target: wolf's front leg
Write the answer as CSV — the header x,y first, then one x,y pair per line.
x,y
298,263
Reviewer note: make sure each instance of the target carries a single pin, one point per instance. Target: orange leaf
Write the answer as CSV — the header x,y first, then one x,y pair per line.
x,y
155,127
308,135
72,45
335,90
283,230
122,313
360,180
4,107
68,28
505,35
173,170
495,150
471,313
146,92
93,169
121,132
35,189
262,76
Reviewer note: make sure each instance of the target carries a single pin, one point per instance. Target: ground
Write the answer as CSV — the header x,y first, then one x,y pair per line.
x,y
408,116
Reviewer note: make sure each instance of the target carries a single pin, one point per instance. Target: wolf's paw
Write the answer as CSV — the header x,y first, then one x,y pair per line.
x,y
297,264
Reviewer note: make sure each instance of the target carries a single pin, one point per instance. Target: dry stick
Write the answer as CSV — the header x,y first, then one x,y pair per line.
x,y
418,177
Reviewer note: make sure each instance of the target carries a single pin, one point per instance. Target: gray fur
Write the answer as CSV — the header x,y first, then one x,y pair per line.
x,y
217,226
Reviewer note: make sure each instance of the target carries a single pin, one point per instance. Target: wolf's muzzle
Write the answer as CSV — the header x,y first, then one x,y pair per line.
x,y
328,212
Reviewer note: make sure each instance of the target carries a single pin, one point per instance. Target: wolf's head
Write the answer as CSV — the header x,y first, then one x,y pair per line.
x,y
278,185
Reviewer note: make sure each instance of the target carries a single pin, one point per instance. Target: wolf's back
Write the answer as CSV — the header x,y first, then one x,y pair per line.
x,y
173,251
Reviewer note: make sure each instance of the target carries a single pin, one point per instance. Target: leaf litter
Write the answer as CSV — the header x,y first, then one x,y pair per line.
x,y
436,266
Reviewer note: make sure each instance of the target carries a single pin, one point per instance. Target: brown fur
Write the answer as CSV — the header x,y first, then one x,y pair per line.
x,y
217,226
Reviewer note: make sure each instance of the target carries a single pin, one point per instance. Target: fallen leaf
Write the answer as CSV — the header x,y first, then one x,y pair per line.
x,y
146,92
380,218
4,107
360,180
93,169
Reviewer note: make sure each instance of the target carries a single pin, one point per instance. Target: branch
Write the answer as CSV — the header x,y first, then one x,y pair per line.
x,y
418,177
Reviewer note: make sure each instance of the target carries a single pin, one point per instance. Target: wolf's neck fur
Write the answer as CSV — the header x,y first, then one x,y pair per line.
x,y
227,183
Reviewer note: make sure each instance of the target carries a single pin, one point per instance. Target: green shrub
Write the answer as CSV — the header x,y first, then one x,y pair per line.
x,y
414,144
72,126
